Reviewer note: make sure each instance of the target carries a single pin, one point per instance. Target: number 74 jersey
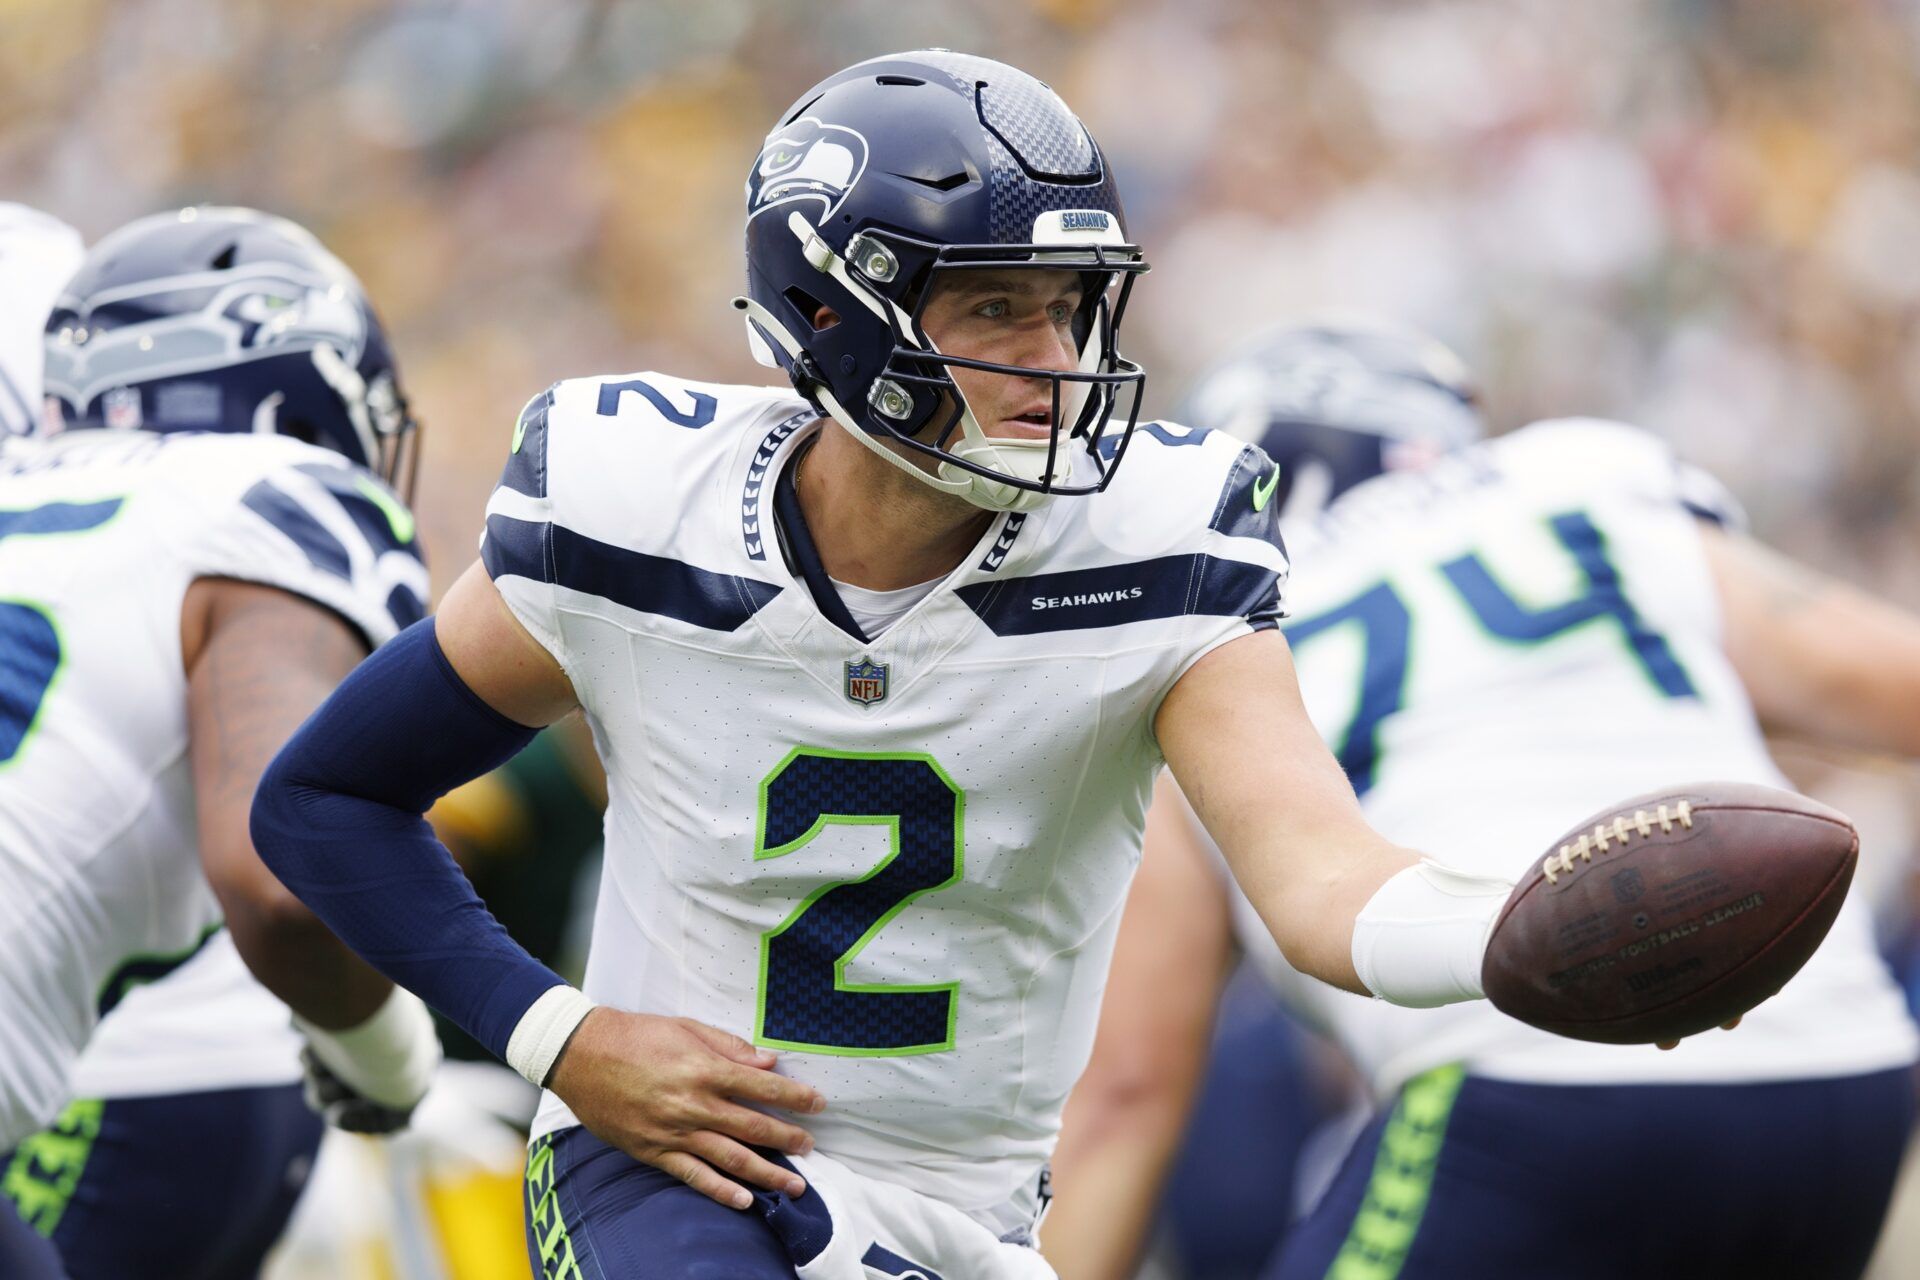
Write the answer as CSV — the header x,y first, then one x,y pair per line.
x,y
1517,635
898,862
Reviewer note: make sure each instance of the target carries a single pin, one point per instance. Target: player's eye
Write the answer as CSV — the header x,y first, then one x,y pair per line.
x,y
1061,313
992,310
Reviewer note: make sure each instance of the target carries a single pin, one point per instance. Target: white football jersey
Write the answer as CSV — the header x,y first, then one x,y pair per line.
x,y
101,534
38,254
899,863
1503,644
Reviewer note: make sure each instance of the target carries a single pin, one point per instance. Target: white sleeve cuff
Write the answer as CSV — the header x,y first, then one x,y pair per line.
x,y
1421,938
543,1031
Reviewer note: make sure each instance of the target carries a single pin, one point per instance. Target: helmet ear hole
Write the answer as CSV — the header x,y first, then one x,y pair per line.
x,y
810,308
223,261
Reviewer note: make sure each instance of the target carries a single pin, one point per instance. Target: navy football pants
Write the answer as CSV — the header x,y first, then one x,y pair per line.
x,y
24,1255
191,1186
1474,1179
596,1213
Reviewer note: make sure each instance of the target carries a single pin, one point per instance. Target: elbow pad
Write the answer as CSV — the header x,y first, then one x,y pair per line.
x,y
340,817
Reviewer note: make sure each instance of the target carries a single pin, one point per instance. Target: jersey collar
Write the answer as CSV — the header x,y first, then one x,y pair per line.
x,y
796,544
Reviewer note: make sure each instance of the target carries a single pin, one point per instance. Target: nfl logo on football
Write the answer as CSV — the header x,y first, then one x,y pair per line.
x,y
866,681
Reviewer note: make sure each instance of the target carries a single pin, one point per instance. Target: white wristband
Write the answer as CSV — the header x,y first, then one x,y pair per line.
x,y
1420,939
543,1031
389,1059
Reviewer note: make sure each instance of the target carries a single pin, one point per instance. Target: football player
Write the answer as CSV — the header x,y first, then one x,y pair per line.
x,y
882,670
185,570
1491,638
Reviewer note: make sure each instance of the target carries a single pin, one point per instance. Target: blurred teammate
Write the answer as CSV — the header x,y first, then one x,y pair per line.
x,y
1492,638
37,254
184,572
880,720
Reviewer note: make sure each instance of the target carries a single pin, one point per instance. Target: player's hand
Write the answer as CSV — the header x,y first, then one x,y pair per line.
x,y
368,1078
669,1093
336,1101
1675,1044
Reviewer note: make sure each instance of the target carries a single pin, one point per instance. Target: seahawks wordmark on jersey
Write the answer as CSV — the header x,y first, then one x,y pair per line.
x,y
899,862
101,534
1511,639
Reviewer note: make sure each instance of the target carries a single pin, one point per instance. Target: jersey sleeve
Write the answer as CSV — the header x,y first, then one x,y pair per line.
x,y
517,544
1235,556
314,525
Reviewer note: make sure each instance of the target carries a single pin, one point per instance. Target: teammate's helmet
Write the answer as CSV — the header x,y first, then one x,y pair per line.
x,y
222,319
1334,404
877,183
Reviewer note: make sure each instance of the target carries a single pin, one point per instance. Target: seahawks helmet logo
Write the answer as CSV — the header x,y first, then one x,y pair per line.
x,y
806,160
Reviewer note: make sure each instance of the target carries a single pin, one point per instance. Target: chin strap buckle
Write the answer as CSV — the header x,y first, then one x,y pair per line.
x,y
818,253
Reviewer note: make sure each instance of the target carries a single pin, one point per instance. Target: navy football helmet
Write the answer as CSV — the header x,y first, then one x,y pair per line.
x,y
1336,403
874,186
227,319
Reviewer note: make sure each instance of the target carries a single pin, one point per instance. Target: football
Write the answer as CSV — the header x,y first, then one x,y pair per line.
x,y
1671,913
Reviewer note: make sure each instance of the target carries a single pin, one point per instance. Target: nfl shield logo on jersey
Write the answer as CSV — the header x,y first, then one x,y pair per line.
x,y
866,681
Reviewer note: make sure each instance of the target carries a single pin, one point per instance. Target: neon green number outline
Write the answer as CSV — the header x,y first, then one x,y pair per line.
x,y
892,822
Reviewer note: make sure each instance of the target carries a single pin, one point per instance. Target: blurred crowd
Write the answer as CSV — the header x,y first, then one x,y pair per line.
x,y
1701,215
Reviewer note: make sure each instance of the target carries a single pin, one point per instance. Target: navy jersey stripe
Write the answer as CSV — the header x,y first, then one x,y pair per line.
x,y
516,548
405,607
526,469
58,517
650,584
354,492
324,551
1113,595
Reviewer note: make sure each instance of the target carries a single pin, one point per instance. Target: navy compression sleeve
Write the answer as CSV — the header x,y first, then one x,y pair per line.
x,y
339,818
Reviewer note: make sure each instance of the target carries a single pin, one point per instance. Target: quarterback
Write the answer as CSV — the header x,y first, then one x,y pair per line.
x,y
186,568
882,670
1493,635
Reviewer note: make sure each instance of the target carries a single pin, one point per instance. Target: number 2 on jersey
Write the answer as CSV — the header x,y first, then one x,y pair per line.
x,y
1386,627
29,641
806,1003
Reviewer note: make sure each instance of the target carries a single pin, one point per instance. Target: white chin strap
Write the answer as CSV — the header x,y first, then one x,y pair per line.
x,y
1026,459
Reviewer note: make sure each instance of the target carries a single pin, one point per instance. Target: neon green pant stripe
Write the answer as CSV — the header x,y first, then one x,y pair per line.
x,y
543,1216
46,1168
1377,1244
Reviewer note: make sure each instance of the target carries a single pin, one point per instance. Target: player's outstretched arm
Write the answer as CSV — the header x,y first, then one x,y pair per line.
x,y
1124,1120
340,817
1346,905
1819,658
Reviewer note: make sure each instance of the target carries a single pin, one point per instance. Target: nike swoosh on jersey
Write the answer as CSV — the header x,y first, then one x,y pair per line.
x,y
1263,493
